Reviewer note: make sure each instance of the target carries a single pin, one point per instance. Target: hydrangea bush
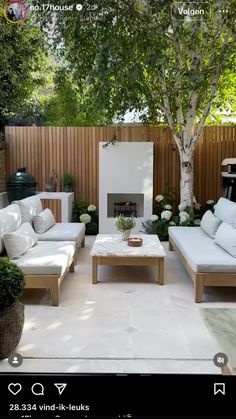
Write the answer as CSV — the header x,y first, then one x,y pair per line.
x,y
164,215
86,213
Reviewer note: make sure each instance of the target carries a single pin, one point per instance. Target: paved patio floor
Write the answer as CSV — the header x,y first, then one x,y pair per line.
x,y
125,323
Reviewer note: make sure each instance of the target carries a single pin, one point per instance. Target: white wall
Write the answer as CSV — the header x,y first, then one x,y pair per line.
x,y
126,167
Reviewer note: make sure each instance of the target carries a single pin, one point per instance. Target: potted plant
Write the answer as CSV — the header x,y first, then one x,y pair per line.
x,y
124,225
67,181
12,284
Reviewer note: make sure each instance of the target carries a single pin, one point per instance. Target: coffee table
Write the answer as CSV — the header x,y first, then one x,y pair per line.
x,y
110,249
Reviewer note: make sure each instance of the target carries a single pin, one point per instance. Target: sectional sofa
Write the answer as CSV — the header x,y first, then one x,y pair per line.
x,y
45,255
208,252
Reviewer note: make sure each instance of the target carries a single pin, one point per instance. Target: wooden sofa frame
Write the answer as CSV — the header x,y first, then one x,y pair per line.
x,y
52,282
204,279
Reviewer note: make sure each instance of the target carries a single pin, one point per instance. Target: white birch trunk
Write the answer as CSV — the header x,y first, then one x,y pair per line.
x,y
186,180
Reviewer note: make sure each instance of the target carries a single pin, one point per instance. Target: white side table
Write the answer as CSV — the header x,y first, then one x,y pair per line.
x,y
60,204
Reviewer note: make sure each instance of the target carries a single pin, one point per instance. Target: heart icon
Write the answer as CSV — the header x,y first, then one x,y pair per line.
x,y
14,388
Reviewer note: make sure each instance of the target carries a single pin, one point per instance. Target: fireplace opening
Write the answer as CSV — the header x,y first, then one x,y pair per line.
x,y
129,205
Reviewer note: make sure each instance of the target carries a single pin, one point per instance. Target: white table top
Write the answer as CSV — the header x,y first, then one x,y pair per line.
x,y
113,245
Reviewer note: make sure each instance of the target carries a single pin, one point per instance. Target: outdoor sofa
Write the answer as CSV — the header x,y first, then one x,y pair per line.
x,y
208,252
44,259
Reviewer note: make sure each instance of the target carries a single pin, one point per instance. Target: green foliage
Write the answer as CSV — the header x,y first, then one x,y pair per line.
x,y
132,54
113,140
164,216
124,223
12,282
67,181
81,207
21,67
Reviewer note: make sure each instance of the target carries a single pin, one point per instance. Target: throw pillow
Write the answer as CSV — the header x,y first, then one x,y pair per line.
x,y
226,238
19,241
225,210
29,207
210,224
43,221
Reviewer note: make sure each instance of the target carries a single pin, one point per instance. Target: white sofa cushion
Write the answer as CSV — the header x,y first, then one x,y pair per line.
x,y
29,207
201,252
19,241
226,238
225,210
64,231
10,220
210,224
47,258
43,221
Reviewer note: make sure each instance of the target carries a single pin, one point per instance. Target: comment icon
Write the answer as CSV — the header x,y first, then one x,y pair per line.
x,y
37,389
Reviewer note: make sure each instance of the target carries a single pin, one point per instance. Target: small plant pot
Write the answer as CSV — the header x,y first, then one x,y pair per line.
x,y
125,234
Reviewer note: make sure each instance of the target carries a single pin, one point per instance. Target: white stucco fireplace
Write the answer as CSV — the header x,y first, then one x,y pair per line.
x,y
125,183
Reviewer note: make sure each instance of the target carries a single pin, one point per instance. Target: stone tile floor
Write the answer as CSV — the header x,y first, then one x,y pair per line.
x,y
125,323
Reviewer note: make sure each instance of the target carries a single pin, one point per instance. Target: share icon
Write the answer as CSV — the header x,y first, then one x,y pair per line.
x,y
60,387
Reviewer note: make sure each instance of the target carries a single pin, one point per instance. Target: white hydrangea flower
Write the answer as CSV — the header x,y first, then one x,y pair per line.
x,y
92,208
210,202
183,216
159,198
166,215
168,207
197,222
172,223
85,218
154,217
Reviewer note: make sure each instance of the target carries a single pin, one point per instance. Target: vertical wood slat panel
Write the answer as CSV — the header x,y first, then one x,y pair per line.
x,y
55,206
75,150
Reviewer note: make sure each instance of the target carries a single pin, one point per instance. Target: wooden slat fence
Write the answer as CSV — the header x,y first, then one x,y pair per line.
x,y
75,150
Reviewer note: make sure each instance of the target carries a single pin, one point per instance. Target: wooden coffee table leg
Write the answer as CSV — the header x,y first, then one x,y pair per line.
x,y
161,271
94,272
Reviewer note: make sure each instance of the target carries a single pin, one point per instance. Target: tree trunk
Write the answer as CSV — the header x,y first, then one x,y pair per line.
x,y
186,181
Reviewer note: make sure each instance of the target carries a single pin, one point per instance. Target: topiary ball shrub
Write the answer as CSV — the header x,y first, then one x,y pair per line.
x,y
12,282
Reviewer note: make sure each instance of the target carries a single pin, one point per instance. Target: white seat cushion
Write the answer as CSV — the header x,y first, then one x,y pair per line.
x,y
10,220
19,241
64,231
29,207
201,252
47,258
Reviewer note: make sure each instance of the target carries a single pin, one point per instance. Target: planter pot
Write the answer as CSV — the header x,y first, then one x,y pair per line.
x,y
125,234
68,188
11,326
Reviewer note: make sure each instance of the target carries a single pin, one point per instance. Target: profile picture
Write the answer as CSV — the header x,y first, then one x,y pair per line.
x,y
15,11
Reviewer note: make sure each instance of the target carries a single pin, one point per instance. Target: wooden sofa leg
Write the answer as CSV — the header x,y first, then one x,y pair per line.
x,y
199,287
72,267
171,248
55,294
83,242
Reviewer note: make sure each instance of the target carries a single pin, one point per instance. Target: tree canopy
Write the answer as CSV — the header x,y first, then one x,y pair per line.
x,y
21,60
138,55
144,55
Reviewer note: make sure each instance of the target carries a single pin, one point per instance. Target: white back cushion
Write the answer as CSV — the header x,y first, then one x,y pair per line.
x,y
225,210
43,221
210,224
19,241
10,220
226,238
29,207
